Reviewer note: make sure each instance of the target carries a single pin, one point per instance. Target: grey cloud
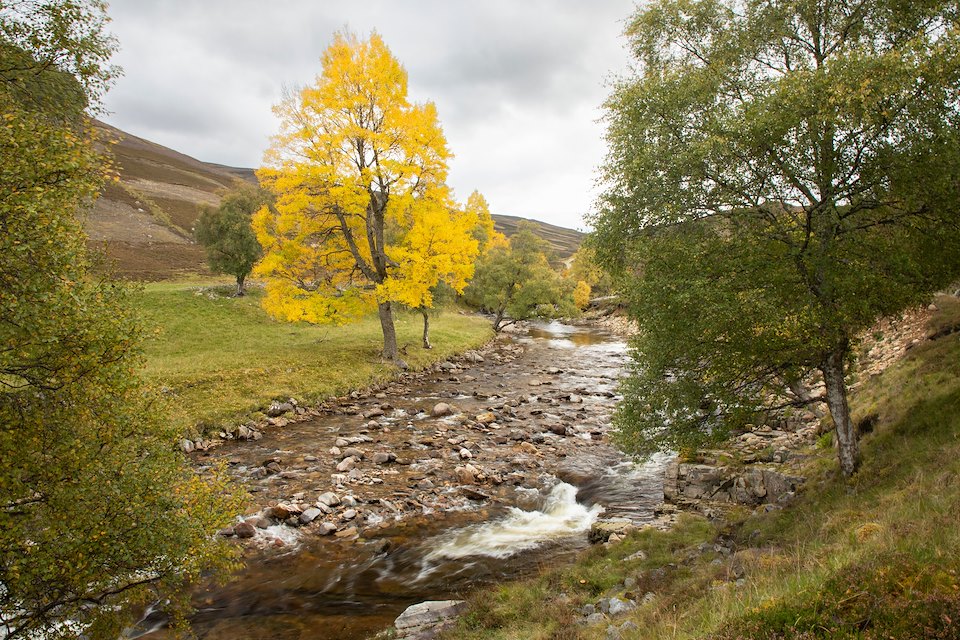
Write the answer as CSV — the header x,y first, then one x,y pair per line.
x,y
516,83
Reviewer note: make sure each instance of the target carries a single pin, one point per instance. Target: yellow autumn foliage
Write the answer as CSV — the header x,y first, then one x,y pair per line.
x,y
363,215
581,295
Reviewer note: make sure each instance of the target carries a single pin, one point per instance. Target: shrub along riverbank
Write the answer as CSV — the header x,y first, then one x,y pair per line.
x,y
219,359
875,556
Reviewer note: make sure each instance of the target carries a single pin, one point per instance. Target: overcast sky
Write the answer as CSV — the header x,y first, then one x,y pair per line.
x,y
518,83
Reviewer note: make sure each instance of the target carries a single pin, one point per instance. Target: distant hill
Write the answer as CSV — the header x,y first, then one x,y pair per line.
x,y
144,222
563,241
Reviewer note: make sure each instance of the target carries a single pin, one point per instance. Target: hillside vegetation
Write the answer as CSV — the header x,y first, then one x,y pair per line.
x,y
144,222
875,556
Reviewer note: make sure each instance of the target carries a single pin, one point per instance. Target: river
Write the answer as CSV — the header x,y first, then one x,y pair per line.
x,y
412,529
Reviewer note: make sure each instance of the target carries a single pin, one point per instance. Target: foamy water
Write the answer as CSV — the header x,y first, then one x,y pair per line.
x,y
560,517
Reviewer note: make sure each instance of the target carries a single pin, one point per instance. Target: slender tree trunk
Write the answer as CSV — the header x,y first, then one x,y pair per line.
x,y
848,445
389,331
497,320
426,329
240,280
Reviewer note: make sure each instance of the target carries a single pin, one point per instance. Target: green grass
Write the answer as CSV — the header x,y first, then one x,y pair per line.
x,y
876,556
221,359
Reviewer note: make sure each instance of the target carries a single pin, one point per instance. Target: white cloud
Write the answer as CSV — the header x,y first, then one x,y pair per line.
x,y
517,84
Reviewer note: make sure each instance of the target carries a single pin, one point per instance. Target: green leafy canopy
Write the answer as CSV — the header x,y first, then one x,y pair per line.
x,y
780,174
98,510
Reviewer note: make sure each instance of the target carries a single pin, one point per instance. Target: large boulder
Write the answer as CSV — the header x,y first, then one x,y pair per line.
x,y
427,619
441,409
751,486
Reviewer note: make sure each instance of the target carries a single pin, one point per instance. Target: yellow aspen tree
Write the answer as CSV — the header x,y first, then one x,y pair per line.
x,y
356,169
483,231
439,246
581,295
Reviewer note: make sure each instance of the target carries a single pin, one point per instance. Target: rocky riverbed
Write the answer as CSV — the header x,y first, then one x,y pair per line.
x,y
495,427
477,470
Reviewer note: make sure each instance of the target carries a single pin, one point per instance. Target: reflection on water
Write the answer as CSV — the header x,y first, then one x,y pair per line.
x,y
569,336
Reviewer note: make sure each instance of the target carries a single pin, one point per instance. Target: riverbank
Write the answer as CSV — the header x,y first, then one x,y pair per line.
x,y
220,361
875,556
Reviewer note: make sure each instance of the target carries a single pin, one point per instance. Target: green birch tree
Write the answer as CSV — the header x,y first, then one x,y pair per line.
x,y
779,175
98,509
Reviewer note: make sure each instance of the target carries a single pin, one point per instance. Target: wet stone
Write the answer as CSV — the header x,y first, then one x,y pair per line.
x,y
310,515
328,499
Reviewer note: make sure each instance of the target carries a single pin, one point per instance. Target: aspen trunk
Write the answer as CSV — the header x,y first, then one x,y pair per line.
x,y
240,290
426,329
385,311
848,445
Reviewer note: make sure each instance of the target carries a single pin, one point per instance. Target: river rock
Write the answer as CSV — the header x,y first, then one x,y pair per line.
x,y
187,445
528,447
486,418
349,514
465,454
347,464
278,511
353,452
272,468
327,529
244,530
278,409
601,530
310,515
473,494
349,532
441,409
466,475
427,619
557,429
383,457
328,499
372,413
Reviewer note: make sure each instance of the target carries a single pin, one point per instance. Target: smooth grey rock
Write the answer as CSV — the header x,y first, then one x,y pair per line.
x,y
278,409
329,499
427,617
347,464
441,409
310,515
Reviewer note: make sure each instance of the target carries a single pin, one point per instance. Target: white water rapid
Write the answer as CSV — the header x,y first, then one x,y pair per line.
x,y
560,517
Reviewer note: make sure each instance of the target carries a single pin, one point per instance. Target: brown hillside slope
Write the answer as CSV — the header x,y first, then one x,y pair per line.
x,y
144,222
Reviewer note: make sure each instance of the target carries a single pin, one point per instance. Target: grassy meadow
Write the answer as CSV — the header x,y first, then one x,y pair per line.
x,y
219,358
876,556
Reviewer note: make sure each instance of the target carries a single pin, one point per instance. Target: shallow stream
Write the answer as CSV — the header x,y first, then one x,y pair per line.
x,y
419,538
